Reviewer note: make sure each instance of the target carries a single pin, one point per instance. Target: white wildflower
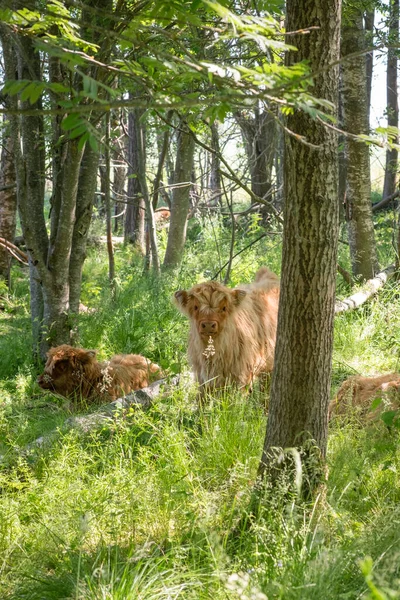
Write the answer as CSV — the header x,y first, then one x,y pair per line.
x,y
210,350
106,382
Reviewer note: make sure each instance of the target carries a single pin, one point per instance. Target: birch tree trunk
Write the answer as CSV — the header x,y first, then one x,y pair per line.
x,y
356,121
180,198
298,410
390,182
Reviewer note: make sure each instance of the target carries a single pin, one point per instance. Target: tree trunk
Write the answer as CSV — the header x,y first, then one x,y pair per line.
x,y
118,182
8,195
180,198
163,144
85,199
135,210
107,202
8,202
215,184
301,378
369,18
389,186
358,193
260,134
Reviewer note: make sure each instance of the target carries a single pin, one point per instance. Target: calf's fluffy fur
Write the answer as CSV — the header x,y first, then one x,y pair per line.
x,y
76,372
232,331
357,393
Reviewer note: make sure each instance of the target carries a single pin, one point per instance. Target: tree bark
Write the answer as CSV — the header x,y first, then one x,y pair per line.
x,y
301,378
390,182
107,202
180,198
85,198
135,211
215,184
369,18
8,202
358,193
260,134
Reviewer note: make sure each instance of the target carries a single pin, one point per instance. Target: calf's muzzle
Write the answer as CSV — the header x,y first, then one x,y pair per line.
x,y
208,327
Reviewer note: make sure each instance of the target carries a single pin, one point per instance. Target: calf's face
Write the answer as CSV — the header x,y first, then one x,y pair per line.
x,y
209,305
64,369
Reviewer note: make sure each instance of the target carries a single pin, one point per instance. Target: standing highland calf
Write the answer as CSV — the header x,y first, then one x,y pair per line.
x,y
357,393
232,331
76,372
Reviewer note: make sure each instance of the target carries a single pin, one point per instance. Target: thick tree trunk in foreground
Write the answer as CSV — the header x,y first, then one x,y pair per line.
x,y
358,193
301,378
389,186
180,198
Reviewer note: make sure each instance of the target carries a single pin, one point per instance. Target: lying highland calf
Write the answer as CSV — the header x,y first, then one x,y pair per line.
x,y
76,372
357,393
232,331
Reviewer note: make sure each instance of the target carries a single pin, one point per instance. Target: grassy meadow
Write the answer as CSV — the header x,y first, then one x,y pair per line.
x,y
153,505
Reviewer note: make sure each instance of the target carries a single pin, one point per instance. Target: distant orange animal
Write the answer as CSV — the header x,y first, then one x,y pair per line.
x,y
358,393
76,372
162,215
232,331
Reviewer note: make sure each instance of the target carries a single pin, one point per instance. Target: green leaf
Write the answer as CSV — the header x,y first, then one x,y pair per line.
x,y
71,121
375,403
389,416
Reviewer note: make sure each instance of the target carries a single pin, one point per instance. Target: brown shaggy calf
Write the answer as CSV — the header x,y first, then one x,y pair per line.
x,y
358,392
76,372
232,331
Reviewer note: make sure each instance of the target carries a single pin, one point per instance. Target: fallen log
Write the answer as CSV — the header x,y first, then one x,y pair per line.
x,y
369,289
107,412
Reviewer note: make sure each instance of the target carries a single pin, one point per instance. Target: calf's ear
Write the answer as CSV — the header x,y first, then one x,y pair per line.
x,y
238,296
181,299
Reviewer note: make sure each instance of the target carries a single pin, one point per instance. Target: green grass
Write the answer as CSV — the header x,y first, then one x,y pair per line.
x,y
153,505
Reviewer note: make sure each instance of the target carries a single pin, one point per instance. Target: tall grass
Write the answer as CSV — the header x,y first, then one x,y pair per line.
x,y
155,504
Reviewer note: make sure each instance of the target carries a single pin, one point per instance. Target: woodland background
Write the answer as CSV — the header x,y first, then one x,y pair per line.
x,y
147,146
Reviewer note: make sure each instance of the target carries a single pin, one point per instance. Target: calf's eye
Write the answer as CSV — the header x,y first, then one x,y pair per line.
x,y
223,309
196,307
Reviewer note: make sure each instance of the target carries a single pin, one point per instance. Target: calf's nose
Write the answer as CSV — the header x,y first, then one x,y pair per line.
x,y
208,327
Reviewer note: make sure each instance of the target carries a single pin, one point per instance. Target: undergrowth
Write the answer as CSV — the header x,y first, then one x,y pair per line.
x,y
151,505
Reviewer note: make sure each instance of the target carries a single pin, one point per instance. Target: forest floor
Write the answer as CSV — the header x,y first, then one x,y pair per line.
x,y
152,504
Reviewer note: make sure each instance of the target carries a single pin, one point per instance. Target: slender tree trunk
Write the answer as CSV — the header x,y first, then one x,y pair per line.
x,y
8,202
369,18
107,203
259,133
390,182
342,152
135,211
358,192
30,171
215,184
180,198
118,183
301,378
162,154
87,185
8,195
